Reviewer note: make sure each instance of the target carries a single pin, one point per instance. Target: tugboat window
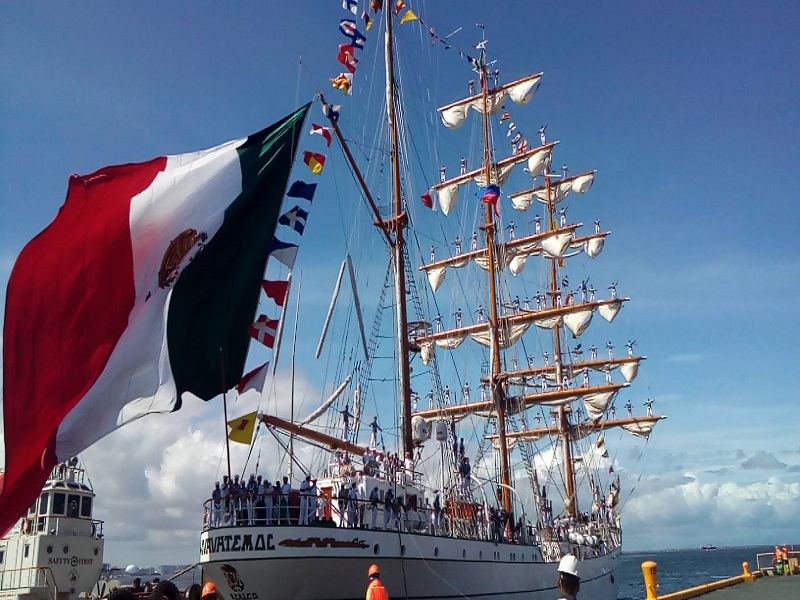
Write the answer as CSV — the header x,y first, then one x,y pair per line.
x,y
43,501
58,504
27,550
73,505
86,506
2,556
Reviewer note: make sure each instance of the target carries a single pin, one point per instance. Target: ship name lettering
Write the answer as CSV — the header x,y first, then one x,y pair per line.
x,y
223,543
248,596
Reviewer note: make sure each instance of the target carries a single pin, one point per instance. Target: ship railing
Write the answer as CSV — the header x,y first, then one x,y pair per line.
x,y
26,577
57,525
767,560
68,473
420,520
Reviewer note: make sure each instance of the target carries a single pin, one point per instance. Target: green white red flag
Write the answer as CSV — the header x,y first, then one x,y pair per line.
x,y
125,302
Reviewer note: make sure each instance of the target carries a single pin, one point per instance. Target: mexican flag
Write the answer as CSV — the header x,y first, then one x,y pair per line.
x,y
147,279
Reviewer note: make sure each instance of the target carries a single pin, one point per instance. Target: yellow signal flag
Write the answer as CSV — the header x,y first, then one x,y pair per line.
x,y
242,429
408,17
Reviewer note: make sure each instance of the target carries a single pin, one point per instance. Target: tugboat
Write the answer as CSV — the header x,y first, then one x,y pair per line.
x,y
55,551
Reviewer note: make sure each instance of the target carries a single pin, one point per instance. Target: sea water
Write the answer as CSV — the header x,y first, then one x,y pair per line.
x,y
677,569
682,569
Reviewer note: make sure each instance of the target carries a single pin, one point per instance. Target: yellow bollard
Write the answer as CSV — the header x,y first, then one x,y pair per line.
x,y
650,572
746,574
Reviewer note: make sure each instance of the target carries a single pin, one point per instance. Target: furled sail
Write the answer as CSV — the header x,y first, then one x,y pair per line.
x,y
327,404
558,191
520,91
513,254
594,245
509,335
596,404
578,321
515,404
610,308
640,429
449,191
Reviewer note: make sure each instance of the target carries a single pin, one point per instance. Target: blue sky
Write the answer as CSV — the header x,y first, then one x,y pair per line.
x,y
688,111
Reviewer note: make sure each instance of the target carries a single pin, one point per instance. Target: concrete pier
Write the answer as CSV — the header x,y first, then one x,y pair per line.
x,y
747,586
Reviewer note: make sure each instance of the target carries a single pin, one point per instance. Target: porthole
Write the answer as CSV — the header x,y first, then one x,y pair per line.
x,y
96,551
49,549
66,549
436,551
376,549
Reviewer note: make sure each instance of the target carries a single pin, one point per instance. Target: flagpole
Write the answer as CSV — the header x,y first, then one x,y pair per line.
x,y
225,410
294,347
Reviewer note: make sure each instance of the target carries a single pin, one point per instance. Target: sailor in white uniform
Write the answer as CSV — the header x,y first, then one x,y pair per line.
x,y
375,428
304,487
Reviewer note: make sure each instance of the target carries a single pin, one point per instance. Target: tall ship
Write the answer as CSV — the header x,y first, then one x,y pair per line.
x,y
55,551
462,442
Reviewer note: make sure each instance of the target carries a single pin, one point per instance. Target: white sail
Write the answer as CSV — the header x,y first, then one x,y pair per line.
x,y
609,310
594,246
558,191
508,336
547,322
451,342
596,404
556,245
521,202
641,430
582,183
629,370
577,322
426,352
448,197
521,91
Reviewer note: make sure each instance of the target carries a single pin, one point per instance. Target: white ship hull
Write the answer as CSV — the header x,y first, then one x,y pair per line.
x,y
324,563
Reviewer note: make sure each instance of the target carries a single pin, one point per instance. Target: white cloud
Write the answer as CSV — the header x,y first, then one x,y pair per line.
x,y
682,512
688,358
152,476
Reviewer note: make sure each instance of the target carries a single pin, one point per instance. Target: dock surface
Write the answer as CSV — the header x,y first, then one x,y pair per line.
x,y
765,588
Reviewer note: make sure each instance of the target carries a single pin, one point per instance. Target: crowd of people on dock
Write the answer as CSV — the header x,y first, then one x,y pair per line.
x,y
568,583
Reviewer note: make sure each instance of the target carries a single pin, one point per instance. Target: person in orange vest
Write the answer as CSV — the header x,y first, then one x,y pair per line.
x,y
785,558
375,590
777,560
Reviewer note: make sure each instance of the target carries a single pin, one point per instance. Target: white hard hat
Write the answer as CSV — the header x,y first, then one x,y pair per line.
x,y
568,565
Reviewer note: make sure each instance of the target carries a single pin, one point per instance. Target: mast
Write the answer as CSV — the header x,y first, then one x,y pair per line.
x,y
495,382
563,419
398,223
294,349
